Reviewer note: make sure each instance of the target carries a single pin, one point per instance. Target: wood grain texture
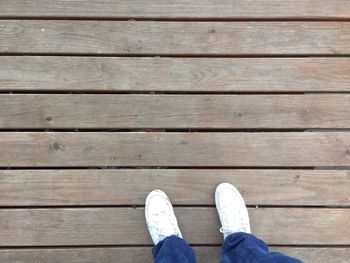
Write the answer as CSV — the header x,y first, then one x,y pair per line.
x,y
319,254
191,33
41,73
126,226
123,187
174,111
143,254
173,38
180,9
69,149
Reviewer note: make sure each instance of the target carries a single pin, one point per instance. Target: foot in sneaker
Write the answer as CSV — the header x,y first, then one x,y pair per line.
x,y
160,217
232,211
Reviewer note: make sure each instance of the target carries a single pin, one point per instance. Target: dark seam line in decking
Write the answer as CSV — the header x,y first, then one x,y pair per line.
x,y
283,245
184,55
150,246
97,168
153,92
166,92
138,206
153,130
175,167
179,19
150,129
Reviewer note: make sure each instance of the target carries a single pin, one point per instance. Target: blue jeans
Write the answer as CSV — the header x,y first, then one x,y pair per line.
x,y
237,248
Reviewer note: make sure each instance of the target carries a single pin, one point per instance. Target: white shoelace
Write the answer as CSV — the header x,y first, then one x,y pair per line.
x,y
237,227
230,231
161,226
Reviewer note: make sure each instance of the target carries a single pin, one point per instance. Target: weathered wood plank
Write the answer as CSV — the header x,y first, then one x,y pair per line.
x,y
174,149
173,38
143,254
126,226
174,74
319,254
122,187
174,111
180,9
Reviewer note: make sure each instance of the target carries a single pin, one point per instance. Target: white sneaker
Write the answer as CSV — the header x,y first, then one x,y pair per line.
x,y
160,217
231,209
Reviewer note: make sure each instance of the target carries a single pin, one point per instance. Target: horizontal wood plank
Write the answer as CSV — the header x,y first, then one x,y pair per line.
x,y
180,9
123,187
173,38
69,149
174,111
126,226
317,254
45,73
143,254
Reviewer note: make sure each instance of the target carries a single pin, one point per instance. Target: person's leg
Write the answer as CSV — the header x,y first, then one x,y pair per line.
x,y
173,249
243,247
169,247
240,246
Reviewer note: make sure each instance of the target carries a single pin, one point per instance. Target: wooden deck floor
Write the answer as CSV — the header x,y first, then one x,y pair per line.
x,y
104,101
